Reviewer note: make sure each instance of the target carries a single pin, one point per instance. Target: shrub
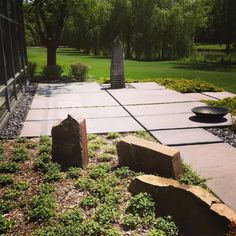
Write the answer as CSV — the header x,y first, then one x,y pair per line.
x,y
106,214
31,69
89,202
4,224
91,228
130,221
71,217
74,172
19,154
85,183
45,148
79,71
142,204
41,163
9,167
52,72
191,177
53,172
5,180
99,171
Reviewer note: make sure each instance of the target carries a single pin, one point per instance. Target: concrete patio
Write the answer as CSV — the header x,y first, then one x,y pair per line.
x,y
165,113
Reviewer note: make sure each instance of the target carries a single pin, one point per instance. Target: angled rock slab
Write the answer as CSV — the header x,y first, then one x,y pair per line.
x,y
219,95
149,157
163,109
89,112
216,162
195,210
69,143
147,85
177,121
185,136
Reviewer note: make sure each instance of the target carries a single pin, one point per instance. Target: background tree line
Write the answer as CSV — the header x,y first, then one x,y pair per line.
x,y
149,29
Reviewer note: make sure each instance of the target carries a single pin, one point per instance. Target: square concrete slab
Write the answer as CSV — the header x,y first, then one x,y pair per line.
x,y
162,109
139,96
219,95
185,136
97,126
198,96
178,121
91,112
147,85
73,100
217,162
77,87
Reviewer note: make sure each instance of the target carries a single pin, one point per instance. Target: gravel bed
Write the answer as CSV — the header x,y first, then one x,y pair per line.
x,y
226,134
18,116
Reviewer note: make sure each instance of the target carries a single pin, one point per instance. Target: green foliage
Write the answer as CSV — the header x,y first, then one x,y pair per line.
x,y
188,86
19,154
41,163
144,135
91,153
6,206
1,149
94,146
5,180
52,72
53,172
91,137
4,224
84,183
166,225
31,145
79,71
45,148
112,232
105,157
45,140
131,221
9,167
31,69
113,135
110,150
74,172
89,202
191,177
124,172
142,205
21,186
71,217
99,171
91,228
106,214
229,103
112,198
42,206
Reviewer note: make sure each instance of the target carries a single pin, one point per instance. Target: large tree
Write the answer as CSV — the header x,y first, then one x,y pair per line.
x,y
50,18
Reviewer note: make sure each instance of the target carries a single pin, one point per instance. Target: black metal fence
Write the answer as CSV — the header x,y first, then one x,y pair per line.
x,y
13,57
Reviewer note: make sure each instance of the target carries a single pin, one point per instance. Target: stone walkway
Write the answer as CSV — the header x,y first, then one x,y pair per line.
x,y
165,113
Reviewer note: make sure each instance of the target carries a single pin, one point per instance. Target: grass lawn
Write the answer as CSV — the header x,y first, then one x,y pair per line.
x,y
220,75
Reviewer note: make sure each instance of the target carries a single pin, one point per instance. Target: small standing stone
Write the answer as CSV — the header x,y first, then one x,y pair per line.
x,y
117,65
69,143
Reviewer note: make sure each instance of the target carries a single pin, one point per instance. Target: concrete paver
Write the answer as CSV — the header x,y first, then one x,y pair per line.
x,y
162,109
198,96
219,95
147,85
217,162
185,136
177,121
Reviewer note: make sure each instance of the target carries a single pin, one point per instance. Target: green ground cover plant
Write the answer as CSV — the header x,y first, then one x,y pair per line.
x,y
220,75
91,201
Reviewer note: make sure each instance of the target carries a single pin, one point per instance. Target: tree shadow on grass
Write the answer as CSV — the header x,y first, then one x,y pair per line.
x,y
206,66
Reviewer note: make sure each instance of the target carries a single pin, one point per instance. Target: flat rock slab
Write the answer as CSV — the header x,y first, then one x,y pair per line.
x,y
80,87
198,96
217,162
185,136
139,96
90,99
96,126
147,85
219,95
178,121
89,112
163,109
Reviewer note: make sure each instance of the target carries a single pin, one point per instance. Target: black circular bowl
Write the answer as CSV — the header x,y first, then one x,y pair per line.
x,y
210,113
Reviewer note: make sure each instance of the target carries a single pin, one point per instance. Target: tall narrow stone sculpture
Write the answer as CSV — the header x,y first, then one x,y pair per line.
x,y
117,75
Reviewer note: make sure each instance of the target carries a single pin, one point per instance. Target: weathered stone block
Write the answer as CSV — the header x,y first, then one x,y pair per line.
x,y
149,157
195,210
69,143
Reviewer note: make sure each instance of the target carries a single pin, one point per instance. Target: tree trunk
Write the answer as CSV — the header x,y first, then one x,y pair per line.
x,y
51,54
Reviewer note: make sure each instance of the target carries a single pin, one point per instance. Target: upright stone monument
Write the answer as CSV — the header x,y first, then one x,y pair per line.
x,y
117,75
69,143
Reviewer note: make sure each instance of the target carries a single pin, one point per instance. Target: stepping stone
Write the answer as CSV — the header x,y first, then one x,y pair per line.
x,y
73,100
80,87
162,109
198,96
147,85
139,96
90,112
98,126
185,136
215,161
178,121
219,95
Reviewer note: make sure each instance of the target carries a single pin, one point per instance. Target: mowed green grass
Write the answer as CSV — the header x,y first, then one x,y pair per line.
x,y
223,76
